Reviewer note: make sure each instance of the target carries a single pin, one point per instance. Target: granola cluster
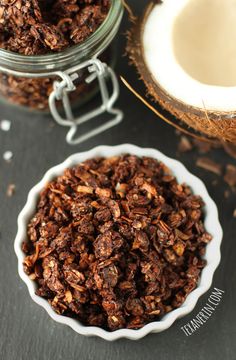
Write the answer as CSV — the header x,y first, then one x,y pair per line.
x,y
35,27
116,242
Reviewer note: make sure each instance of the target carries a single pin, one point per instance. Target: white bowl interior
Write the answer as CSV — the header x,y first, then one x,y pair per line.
x,y
211,222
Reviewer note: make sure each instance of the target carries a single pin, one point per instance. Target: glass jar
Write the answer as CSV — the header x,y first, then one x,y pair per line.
x,y
57,80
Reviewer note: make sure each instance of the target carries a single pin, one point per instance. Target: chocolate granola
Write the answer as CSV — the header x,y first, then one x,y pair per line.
x,y
38,27
116,242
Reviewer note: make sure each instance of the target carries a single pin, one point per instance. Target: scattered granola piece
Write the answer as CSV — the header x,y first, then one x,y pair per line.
x,y
7,156
202,146
230,175
5,125
209,165
230,149
11,190
227,194
184,144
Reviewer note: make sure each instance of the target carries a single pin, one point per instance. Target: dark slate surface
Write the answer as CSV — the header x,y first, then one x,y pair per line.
x,y
26,331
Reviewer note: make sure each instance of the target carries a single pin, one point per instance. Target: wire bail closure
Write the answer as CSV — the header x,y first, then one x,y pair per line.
x,y
100,71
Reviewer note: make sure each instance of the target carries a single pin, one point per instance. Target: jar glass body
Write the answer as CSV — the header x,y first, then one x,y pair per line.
x,y
28,80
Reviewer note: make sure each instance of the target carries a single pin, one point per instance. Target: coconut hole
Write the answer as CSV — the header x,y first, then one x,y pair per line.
x,y
204,43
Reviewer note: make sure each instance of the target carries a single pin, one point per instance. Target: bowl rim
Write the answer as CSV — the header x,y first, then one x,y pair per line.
x,y
212,255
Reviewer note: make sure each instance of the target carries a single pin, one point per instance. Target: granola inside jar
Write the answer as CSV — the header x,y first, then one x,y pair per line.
x,y
41,41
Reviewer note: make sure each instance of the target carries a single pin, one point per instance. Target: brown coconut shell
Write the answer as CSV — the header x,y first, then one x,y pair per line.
x,y
218,125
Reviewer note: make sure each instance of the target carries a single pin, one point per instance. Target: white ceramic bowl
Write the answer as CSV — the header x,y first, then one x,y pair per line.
x,y
212,255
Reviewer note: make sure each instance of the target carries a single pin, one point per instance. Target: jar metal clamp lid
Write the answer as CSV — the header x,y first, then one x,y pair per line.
x,y
97,70
66,66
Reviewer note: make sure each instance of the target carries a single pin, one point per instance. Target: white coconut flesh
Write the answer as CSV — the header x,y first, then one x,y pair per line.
x,y
190,50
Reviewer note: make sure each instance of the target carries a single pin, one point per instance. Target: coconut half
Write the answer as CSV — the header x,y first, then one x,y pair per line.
x,y
185,52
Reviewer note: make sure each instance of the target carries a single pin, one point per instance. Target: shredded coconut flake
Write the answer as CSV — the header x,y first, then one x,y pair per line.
x,y
5,125
7,156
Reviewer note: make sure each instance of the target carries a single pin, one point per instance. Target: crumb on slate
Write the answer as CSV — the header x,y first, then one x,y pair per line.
x,y
215,182
184,144
230,149
5,125
202,146
209,165
227,194
230,175
11,190
7,156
